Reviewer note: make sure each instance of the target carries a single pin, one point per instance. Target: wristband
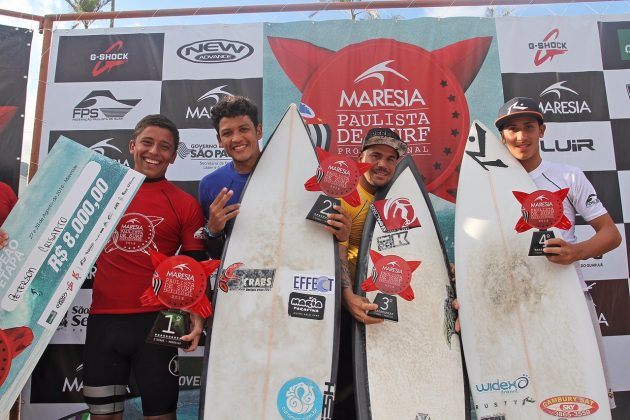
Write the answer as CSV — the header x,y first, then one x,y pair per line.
x,y
210,235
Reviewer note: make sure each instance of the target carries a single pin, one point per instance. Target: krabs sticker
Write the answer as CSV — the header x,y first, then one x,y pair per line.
x,y
569,406
391,274
542,209
180,282
395,214
388,83
337,176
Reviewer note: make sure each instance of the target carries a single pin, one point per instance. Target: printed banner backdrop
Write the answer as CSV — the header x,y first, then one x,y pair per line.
x,y
579,68
428,78
101,83
15,51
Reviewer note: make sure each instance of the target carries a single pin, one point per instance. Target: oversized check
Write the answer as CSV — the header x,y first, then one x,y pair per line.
x,y
57,230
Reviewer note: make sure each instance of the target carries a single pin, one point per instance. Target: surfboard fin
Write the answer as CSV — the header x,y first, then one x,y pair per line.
x,y
354,199
312,185
375,256
210,266
564,223
413,265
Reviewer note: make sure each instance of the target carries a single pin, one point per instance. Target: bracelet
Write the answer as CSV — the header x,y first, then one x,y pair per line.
x,y
210,235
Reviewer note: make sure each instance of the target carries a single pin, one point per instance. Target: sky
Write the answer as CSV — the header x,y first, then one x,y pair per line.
x,y
44,7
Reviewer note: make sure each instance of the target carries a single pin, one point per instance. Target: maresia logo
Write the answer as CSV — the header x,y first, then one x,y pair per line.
x,y
101,105
58,376
376,83
188,102
563,97
96,58
549,47
111,143
212,51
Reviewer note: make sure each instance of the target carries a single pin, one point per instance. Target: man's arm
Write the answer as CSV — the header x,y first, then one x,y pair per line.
x,y
606,238
358,306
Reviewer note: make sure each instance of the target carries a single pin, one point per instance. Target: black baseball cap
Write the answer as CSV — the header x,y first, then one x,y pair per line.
x,y
518,107
385,136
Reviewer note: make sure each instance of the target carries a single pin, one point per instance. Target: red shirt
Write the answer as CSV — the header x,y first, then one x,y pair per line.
x,y
160,217
7,201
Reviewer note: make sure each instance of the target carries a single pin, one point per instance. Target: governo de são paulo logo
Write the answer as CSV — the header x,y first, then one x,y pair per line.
x,y
388,83
299,399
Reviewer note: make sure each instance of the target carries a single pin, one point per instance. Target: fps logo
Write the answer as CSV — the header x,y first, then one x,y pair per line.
x,y
102,105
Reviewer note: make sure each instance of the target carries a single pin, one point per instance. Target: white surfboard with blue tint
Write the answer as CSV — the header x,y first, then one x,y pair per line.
x,y
410,369
529,344
272,352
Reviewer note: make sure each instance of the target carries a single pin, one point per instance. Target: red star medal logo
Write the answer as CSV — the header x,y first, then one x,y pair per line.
x,y
542,209
180,282
337,176
391,274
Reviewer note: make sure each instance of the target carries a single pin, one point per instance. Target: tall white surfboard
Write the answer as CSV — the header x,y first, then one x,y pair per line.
x,y
274,334
410,369
529,344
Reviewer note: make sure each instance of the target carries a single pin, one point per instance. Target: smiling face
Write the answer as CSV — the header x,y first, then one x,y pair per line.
x,y
384,160
239,137
522,137
153,150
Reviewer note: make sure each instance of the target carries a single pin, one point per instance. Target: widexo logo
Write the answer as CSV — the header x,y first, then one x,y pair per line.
x,y
212,51
568,145
624,43
505,387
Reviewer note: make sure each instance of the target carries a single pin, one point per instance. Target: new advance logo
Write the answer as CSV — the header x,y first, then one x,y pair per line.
x,y
215,51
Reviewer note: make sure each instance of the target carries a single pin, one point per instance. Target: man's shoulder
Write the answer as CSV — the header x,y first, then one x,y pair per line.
x,y
561,168
174,191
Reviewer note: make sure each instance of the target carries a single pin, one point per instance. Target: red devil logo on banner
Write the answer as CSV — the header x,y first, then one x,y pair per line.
x,y
388,83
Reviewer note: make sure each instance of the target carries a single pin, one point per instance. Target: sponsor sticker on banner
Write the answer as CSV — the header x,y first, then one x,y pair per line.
x,y
57,229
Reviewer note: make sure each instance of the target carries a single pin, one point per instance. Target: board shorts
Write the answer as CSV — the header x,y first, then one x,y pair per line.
x,y
115,348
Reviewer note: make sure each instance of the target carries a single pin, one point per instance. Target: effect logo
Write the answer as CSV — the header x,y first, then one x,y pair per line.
x,y
102,105
382,85
569,406
561,104
395,214
548,48
212,96
111,58
321,284
299,399
213,51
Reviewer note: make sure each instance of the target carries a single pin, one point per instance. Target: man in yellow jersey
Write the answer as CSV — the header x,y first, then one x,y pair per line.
x,y
383,148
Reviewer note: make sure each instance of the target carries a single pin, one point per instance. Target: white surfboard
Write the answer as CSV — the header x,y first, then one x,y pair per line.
x,y
410,369
529,344
274,334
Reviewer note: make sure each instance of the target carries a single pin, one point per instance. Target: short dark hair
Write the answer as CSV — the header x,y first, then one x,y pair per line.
x,y
234,106
157,120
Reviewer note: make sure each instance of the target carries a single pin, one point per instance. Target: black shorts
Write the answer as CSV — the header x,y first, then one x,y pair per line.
x,y
114,348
